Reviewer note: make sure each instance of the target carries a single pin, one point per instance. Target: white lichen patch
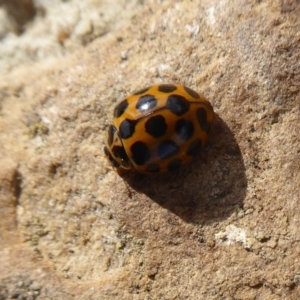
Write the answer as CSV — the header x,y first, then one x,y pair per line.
x,y
233,235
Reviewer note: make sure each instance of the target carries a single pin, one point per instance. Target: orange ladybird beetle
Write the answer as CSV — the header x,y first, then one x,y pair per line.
x,y
159,128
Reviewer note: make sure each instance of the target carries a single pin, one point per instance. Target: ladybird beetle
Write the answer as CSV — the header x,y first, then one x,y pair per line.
x,y
159,128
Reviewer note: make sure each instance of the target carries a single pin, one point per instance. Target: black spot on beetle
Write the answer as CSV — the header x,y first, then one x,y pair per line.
x,y
146,103
120,108
167,149
185,129
178,105
194,148
119,152
127,128
167,88
156,126
202,119
191,92
140,153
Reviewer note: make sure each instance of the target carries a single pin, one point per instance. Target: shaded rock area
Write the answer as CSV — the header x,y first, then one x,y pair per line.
x,y
226,226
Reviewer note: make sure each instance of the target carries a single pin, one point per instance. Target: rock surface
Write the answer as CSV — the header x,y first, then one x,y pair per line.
x,y
226,226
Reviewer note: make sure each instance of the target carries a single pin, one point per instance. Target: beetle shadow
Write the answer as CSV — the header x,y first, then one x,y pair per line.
x,y
206,190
